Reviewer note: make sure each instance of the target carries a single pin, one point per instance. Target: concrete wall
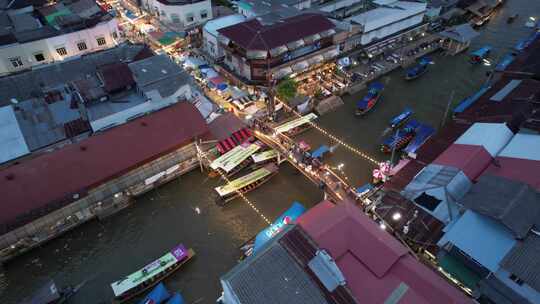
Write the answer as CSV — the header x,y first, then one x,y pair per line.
x,y
178,14
48,47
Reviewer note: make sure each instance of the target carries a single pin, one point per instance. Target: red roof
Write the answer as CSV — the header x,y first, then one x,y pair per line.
x,y
50,180
470,159
253,35
373,262
518,169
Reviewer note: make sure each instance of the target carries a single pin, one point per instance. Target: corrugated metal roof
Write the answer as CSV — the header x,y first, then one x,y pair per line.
x,y
448,184
373,262
525,146
523,261
12,141
513,204
481,238
500,292
470,159
272,276
48,182
492,136
214,25
502,93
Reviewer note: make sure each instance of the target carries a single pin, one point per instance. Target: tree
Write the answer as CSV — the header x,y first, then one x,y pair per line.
x,y
286,89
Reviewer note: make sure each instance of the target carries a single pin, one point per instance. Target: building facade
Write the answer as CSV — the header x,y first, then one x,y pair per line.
x,y
54,33
182,14
210,34
258,51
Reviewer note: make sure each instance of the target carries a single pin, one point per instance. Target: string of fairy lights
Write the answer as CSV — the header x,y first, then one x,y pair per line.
x,y
250,203
334,138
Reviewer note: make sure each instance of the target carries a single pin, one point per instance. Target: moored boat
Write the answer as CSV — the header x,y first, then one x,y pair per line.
x,y
236,159
401,118
479,55
245,183
418,70
421,134
296,126
401,138
370,100
151,274
263,158
158,295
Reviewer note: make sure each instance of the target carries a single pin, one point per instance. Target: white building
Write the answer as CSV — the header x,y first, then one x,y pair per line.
x,y
182,13
253,8
210,33
11,137
388,19
29,43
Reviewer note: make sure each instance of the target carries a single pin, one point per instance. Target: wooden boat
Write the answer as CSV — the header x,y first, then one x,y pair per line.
x,y
401,138
479,55
245,184
296,126
418,70
512,18
151,274
49,294
263,158
370,100
398,120
236,159
421,134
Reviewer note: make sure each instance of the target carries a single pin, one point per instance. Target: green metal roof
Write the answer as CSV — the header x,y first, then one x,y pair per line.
x,y
459,271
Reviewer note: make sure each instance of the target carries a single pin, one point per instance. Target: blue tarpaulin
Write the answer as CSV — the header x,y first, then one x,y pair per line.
x,y
176,299
467,102
482,52
319,153
422,133
364,189
287,217
157,295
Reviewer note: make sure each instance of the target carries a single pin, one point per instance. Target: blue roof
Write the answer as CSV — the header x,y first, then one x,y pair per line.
x,y
320,151
505,62
481,52
467,102
480,237
423,133
364,188
176,299
157,295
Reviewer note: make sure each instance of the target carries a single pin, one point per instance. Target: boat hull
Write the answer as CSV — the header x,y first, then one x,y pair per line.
x,y
407,77
222,201
158,279
360,112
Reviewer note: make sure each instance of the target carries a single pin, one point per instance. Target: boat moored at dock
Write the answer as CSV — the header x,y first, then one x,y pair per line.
x,y
370,100
236,159
480,55
245,184
158,295
296,126
418,70
151,274
265,157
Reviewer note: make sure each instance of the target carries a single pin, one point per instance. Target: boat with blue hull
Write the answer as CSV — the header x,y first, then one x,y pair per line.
x,y
370,100
176,299
480,55
401,118
421,134
401,138
419,69
158,295
505,62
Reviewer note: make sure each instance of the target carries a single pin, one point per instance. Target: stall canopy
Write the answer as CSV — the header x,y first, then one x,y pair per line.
x,y
300,66
192,62
218,82
209,73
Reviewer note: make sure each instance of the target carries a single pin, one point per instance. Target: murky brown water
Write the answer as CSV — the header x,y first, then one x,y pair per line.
x,y
105,251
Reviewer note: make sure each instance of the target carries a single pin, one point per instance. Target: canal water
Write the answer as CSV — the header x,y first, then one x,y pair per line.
x,y
104,251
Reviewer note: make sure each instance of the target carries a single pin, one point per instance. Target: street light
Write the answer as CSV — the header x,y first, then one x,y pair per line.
x,y
396,216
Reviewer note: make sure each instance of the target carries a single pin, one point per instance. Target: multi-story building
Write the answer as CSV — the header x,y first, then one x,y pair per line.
x,y
210,33
268,48
34,36
176,13
254,8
